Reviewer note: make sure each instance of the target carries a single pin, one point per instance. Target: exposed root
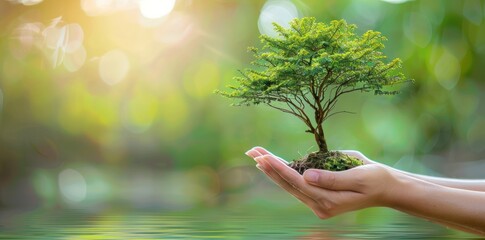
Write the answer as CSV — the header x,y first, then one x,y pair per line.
x,y
333,161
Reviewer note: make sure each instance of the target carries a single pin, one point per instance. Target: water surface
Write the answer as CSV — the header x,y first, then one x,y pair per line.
x,y
217,224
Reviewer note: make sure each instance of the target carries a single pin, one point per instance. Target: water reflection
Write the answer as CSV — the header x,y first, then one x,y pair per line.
x,y
209,224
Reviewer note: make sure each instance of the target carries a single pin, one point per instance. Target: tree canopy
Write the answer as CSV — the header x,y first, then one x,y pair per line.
x,y
308,66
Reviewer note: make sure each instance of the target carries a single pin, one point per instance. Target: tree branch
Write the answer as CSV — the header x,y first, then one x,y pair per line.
x,y
302,117
335,113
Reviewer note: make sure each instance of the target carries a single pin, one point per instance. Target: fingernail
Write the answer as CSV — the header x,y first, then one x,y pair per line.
x,y
259,159
310,176
251,153
260,167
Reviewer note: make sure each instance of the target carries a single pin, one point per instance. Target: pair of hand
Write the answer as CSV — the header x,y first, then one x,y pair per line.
x,y
331,193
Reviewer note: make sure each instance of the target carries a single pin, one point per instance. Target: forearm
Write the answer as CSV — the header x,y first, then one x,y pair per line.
x,y
457,208
474,185
467,184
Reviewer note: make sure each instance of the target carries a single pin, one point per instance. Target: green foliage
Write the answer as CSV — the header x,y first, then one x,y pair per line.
x,y
341,162
309,55
312,64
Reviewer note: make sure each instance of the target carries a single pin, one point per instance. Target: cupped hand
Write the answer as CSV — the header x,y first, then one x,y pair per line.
x,y
331,193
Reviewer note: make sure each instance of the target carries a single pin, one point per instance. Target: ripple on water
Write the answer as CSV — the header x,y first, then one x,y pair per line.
x,y
209,224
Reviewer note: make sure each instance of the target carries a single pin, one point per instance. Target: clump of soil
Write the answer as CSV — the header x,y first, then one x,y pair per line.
x,y
333,161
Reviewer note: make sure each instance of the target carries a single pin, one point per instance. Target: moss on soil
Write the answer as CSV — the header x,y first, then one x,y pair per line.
x,y
333,161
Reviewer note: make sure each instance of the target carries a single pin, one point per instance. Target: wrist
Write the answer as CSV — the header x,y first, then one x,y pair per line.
x,y
409,193
403,189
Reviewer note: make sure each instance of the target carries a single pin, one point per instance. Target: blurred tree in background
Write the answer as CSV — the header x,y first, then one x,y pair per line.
x,y
111,101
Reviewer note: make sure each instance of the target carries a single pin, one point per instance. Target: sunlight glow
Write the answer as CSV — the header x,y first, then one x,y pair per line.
x,y
27,2
97,7
154,9
176,29
72,185
113,67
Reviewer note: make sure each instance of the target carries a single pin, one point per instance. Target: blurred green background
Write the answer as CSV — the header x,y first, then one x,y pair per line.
x,y
109,104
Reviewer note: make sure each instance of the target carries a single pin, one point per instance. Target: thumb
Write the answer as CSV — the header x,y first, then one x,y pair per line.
x,y
343,180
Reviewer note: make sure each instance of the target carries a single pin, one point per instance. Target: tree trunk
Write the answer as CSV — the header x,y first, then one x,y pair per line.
x,y
320,138
318,131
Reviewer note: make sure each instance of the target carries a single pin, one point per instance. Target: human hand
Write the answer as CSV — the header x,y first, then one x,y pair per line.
x,y
328,193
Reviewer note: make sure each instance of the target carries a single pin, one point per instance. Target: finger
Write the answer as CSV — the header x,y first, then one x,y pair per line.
x,y
343,180
291,176
253,153
275,177
263,151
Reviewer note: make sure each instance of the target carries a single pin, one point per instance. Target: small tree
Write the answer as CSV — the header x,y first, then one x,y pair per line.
x,y
310,65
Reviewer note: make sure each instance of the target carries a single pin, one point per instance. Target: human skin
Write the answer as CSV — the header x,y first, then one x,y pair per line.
x,y
454,203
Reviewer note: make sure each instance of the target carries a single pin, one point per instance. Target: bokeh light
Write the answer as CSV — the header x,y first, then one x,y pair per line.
x,y
176,29
278,11
27,2
45,186
418,29
106,7
175,115
75,36
364,14
96,7
153,9
140,112
55,39
447,70
25,38
72,185
62,44
113,67
75,59
99,185
28,34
